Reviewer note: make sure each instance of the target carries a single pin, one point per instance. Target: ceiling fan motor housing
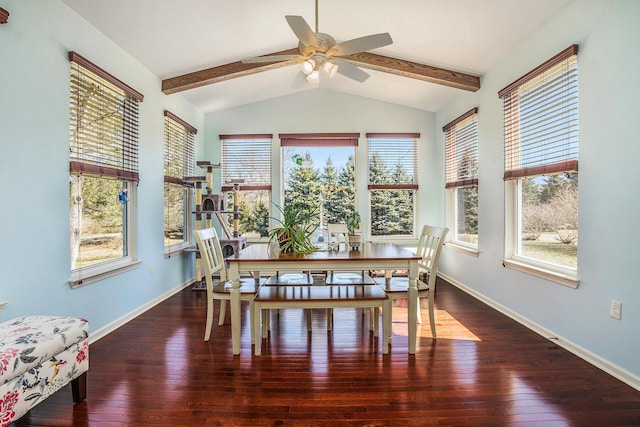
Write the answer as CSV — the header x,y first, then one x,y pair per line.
x,y
325,42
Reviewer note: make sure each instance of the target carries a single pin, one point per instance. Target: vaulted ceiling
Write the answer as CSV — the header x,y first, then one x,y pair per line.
x,y
439,49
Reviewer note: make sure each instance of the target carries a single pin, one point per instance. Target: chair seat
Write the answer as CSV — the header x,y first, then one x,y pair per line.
x,y
247,286
290,279
399,284
355,278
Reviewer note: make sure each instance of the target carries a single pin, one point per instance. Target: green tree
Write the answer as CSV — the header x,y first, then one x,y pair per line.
x,y
344,200
530,191
380,199
329,187
302,189
261,218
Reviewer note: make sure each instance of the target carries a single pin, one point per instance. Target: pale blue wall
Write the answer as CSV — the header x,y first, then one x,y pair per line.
x,y
609,255
34,170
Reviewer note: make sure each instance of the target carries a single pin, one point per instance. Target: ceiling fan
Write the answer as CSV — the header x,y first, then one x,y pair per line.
x,y
319,50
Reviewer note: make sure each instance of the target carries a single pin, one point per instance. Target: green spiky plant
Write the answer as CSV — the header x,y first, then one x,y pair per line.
x,y
295,229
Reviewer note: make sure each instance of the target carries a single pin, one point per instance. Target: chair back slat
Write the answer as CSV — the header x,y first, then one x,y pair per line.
x,y
429,248
341,233
210,255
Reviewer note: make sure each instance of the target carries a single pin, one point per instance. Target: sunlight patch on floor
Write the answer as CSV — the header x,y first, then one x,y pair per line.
x,y
447,327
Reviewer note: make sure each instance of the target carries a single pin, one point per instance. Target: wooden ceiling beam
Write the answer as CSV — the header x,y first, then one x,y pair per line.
x,y
367,60
222,72
414,70
4,16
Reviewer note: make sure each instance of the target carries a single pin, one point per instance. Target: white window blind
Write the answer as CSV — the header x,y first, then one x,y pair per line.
x,y
104,122
461,150
541,119
247,157
393,160
178,148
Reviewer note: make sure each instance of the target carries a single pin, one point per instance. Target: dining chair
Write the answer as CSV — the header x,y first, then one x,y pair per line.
x,y
220,288
338,233
429,248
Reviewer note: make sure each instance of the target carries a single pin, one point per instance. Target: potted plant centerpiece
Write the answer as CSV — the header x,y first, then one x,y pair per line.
x,y
353,225
295,228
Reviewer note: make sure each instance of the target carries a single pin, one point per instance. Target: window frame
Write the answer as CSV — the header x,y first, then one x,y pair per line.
x,y
413,187
453,183
84,161
176,127
320,140
515,172
227,187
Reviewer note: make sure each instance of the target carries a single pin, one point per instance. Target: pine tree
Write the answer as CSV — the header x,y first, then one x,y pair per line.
x,y
329,187
303,187
261,219
344,200
381,200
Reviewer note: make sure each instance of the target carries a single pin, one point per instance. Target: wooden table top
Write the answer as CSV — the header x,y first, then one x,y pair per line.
x,y
367,252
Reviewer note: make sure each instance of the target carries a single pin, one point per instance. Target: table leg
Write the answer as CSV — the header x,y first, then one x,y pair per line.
x,y
234,275
412,306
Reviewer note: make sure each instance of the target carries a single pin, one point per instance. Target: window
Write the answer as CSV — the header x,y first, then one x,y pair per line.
x,y
178,163
461,177
103,142
541,169
319,174
393,183
247,159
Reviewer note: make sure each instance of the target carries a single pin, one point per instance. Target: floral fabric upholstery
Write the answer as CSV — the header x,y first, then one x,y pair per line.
x,y
38,356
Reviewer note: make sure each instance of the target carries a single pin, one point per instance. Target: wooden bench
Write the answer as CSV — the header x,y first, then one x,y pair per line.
x,y
317,296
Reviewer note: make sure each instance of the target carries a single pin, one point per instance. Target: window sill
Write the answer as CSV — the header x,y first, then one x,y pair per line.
x,y
474,252
79,279
176,249
563,278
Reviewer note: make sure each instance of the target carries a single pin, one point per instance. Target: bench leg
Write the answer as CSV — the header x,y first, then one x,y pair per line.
x,y
386,326
79,388
259,324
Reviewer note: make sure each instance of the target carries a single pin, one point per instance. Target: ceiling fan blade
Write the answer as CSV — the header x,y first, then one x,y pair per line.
x,y
361,44
349,70
302,30
271,58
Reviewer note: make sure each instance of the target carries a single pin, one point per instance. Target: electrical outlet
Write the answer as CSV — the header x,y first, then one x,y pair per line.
x,y
152,268
615,310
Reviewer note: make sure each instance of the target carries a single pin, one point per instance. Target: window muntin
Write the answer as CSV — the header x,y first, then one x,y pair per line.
x,y
461,177
103,163
178,163
319,173
393,184
247,158
541,169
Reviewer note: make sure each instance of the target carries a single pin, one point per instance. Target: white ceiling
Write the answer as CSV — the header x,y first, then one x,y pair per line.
x,y
174,37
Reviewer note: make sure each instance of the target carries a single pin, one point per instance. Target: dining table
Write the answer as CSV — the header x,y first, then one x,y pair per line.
x,y
257,258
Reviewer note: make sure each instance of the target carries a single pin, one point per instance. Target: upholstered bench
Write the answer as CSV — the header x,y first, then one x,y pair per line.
x,y
38,356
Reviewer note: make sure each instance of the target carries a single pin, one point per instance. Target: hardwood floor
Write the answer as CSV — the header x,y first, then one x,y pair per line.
x,y
484,369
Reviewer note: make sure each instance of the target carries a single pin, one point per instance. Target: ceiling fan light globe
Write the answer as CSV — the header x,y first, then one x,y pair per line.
x,y
330,68
313,76
308,66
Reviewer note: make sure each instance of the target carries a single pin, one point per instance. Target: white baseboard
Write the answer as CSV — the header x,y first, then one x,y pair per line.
x,y
106,330
610,368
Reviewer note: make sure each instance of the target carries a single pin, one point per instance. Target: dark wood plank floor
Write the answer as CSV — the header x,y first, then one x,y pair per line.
x,y
484,369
